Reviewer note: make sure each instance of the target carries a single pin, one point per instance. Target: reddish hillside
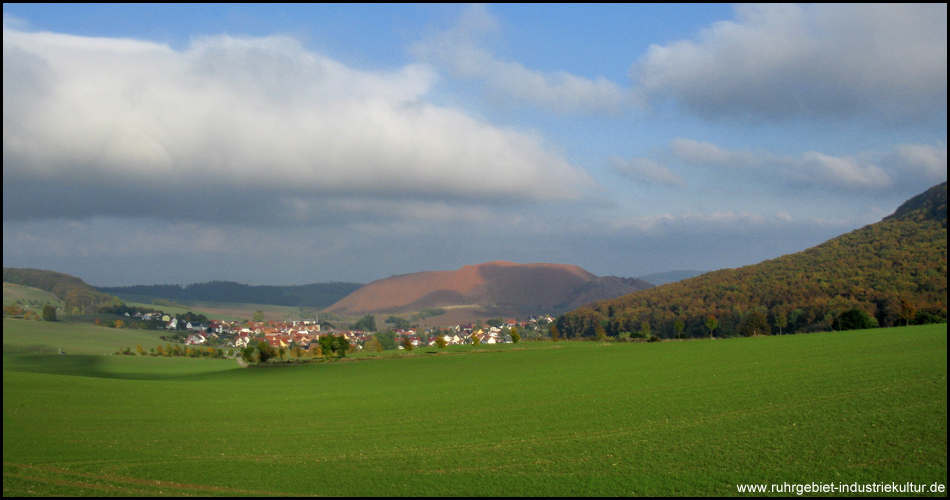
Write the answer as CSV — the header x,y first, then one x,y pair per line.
x,y
494,284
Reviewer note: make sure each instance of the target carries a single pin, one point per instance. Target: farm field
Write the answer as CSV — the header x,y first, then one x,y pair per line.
x,y
671,418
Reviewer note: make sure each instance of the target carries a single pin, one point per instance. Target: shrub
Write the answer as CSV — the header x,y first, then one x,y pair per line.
x,y
855,319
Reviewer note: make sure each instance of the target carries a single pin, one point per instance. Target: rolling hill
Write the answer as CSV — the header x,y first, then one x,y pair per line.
x,y
316,295
504,285
894,271
75,293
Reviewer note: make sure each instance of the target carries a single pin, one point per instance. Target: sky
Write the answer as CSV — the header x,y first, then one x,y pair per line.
x,y
295,144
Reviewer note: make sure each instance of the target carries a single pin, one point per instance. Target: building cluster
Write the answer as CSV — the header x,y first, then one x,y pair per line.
x,y
288,334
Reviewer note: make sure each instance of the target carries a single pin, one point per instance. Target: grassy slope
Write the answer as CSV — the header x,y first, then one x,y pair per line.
x,y
588,419
13,292
21,336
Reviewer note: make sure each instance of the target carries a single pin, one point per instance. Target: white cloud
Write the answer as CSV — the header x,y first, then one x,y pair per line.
x,y
245,122
646,171
777,62
462,49
866,171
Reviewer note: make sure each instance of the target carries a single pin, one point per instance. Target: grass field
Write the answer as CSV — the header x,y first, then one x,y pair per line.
x,y
671,418
25,294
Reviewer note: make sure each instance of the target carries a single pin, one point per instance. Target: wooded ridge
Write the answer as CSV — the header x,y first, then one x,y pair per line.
x,y
894,271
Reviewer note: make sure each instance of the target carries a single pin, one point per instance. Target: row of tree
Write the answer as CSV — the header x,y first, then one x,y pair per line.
x,y
327,346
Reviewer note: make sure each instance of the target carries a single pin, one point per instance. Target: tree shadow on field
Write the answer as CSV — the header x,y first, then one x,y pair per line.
x,y
84,365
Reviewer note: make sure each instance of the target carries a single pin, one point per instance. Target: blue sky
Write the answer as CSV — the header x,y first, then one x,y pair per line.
x,y
296,144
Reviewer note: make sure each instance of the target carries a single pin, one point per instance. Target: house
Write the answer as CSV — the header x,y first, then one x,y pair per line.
x,y
243,341
195,339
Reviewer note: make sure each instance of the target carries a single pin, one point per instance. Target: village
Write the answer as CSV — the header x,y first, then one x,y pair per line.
x,y
303,333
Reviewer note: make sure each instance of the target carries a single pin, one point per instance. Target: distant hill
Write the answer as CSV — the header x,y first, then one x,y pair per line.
x,y
894,270
507,285
317,295
75,293
658,279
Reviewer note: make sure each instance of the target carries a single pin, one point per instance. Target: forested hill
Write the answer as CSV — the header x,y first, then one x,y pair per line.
x,y
76,294
894,270
317,295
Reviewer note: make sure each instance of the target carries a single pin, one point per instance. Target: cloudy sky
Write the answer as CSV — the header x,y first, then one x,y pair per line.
x,y
299,144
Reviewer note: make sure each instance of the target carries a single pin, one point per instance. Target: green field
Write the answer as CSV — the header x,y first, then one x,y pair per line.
x,y
13,293
670,418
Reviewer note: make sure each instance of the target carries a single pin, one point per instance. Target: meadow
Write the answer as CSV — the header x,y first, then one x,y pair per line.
x,y
13,293
582,418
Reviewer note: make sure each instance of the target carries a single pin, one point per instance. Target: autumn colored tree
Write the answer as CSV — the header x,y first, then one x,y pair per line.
x,y
441,342
599,333
907,311
13,310
373,345
554,333
515,336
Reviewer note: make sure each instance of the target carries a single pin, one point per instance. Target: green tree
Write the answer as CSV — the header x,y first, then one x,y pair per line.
x,y
342,345
515,336
781,321
712,323
49,313
265,351
258,316
387,338
645,329
398,323
855,319
678,326
366,323
327,344
755,324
